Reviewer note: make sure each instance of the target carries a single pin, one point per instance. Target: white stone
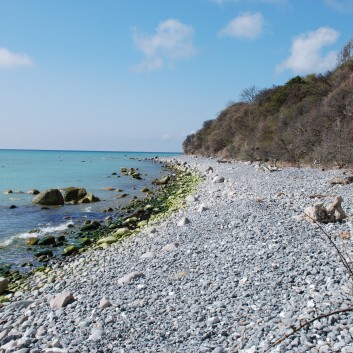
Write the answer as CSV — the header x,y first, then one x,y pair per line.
x,y
202,208
218,179
183,222
191,198
96,333
171,246
147,255
129,277
105,303
61,300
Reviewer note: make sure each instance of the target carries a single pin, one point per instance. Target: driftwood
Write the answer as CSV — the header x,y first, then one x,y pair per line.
x,y
342,181
318,213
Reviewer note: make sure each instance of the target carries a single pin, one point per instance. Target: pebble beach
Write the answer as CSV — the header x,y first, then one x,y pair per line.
x,y
235,269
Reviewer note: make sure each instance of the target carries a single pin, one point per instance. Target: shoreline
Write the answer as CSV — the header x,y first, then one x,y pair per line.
x,y
235,278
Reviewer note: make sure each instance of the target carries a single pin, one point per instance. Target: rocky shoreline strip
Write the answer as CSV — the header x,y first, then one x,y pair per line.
x,y
232,271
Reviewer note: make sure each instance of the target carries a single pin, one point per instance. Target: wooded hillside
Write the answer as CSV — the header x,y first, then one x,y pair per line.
x,y
307,120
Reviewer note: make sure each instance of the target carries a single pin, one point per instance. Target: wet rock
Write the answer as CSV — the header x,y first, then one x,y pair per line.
x,y
51,197
4,283
91,226
33,192
89,198
12,207
74,194
121,231
162,181
47,240
45,252
70,250
108,240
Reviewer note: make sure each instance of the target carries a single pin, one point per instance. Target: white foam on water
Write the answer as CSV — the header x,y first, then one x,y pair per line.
x,y
41,231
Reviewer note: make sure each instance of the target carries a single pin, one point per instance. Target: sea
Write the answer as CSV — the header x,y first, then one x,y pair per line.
x,y
24,170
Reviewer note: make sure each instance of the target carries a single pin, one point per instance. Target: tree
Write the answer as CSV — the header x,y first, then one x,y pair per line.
x,y
346,54
248,95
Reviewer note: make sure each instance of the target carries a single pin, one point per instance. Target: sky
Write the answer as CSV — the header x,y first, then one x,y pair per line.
x,y
140,75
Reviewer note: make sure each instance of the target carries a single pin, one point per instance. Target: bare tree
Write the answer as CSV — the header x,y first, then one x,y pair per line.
x,y
248,95
346,53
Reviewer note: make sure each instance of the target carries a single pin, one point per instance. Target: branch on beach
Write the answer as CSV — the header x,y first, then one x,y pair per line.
x,y
307,323
343,259
350,273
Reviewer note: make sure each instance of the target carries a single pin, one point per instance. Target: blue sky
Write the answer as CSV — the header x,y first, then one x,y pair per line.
x,y
140,75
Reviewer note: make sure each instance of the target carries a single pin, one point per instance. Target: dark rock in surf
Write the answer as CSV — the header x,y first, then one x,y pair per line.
x,y
51,197
74,194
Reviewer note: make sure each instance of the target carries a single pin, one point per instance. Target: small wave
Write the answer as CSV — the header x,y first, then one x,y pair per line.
x,y
88,209
37,233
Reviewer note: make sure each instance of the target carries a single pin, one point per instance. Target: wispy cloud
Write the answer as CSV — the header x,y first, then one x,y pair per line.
x,y
341,5
10,60
247,25
172,41
306,52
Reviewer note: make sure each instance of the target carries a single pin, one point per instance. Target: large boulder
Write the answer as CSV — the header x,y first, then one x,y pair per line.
x,y
161,181
89,198
61,300
50,197
74,194
4,282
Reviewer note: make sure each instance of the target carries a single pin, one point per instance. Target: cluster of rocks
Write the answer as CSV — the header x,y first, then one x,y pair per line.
x,y
73,195
133,172
232,271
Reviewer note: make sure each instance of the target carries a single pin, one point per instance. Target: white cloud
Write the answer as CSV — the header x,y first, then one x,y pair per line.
x,y
341,5
166,137
9,60
306,52
172,41
248,25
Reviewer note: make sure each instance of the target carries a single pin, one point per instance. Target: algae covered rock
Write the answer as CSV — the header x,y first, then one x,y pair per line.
x,y
108,240
32,241
121,231
83,242
70,250
47,240
91,226
162,181
50,197
45,252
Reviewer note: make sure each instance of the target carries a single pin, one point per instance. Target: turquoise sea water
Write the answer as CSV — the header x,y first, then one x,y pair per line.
x,y
23,170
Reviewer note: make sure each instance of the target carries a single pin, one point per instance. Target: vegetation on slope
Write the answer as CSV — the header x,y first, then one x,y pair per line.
x,y
307,120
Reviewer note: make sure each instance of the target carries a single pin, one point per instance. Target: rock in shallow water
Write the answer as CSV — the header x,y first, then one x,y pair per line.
x,y
50,197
